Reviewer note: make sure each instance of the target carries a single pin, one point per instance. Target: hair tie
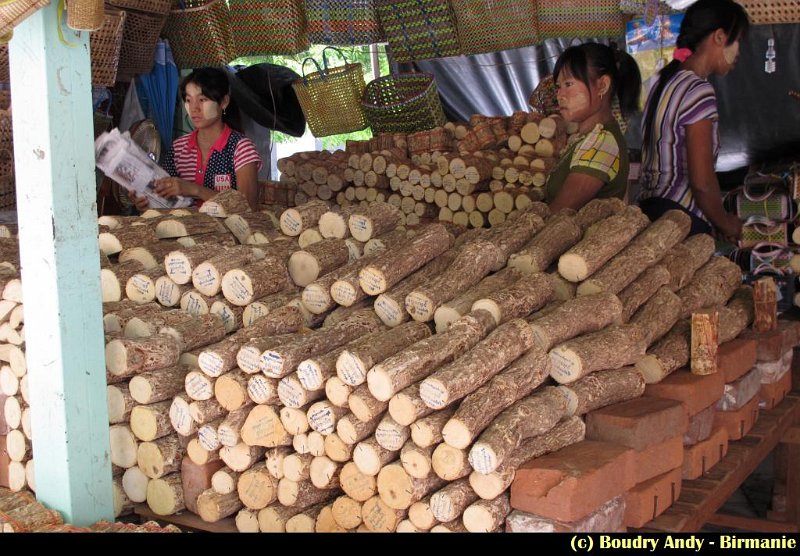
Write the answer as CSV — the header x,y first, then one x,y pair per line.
x,y
681,54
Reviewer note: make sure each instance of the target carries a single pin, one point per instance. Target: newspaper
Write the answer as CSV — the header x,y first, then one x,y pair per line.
x,y
123,161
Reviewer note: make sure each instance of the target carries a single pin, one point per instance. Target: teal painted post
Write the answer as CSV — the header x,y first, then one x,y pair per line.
x,y
56,206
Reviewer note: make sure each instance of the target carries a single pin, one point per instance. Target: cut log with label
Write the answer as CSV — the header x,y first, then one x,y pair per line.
x,y
395,373
390,434
559,234
370,456
454,309
480,408
610,348
292,393
337,392
180,417
449,502
114,278
264,427
160,457
294,220
317,260
207,276
658,315
686,258
242,286
416,461
336,449
165,495
379,517
491,485
229,431
398,490
357,485
407,406
180,263
484,516
352,430
712,285
120,402
347,512
244,226
575,317
275,458
257,488
473,369
241,457
324,472
643,251
597,210
642,289
194,225
375,220
608,238
450,463
149,422
322,416
529,417
157,386
601,389
225,203
526,295
168,292
391,267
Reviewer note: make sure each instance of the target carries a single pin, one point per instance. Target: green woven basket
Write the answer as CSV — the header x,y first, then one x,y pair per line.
x,y
268,27
405,102
418,29
493,25
200,36
342,22
580,19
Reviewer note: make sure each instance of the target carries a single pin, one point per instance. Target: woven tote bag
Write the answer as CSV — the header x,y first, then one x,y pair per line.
x,y
105,45
342,22
583,19
418,29
404,102
268,27
492,25
331,96
139,38
200,36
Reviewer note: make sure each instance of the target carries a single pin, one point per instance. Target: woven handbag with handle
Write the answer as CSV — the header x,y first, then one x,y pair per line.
x,y
755,232
105,45
200,36
268,27
331,96
404,102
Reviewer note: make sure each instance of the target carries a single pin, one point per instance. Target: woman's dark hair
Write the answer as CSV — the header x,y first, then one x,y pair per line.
x,y
593,60
701,19
214,84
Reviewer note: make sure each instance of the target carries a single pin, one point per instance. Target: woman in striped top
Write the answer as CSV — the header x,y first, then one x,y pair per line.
x,y
591,79
214,157
680,139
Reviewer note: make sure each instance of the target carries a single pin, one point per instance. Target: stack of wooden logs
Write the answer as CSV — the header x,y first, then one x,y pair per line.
x,y
471,174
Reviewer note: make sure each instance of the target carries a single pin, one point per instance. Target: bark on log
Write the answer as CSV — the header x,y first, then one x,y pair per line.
x,y
765,305
213,507
117,314
149,422
294,220
333,224
206,411
476,367
526,295
197,332
597,210
558,235
264,427
610,348
244,285
353,430
378,219
244,226
736,315
317,260
643,251
194,225
395,373
229,431
390,268
712,285
273,519
481,407
513,234
407,406
398,490
264,306
609,237
207,276
165,495
149,325
357,485
449,502
370,456
454,309
529,417
257,488
305,521
157,386
179,416
489,486
379,517
341,313
303,494
601,389
114,278
313,373
686,258
484,516
642,289
429,430
225,203
161,457
275,458
575,317
416,460
705,340
114,241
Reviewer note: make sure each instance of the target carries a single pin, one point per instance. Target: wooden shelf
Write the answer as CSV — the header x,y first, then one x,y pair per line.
x,y
186,520
701,498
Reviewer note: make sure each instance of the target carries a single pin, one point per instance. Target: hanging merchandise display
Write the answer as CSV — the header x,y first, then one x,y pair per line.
x,y
580,19
200,35
343,22
418,29
762,12
404,102
490,26
105,45
85,15
12,13
331,96
139,41
271,27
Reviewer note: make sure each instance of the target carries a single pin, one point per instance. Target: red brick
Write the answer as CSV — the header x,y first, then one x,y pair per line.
x,y
701,457
648,500
773,344
4,428
607,518
700,426
738,423
637,423
658,459
195,479
569,484
736,358
773,394
4,461
695,391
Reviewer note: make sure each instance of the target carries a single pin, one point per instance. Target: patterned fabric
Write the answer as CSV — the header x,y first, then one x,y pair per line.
x,y
602,153
231,152
686,99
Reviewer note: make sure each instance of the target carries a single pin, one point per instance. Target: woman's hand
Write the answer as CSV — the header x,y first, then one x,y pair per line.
x,y
172,187
140,202
730,228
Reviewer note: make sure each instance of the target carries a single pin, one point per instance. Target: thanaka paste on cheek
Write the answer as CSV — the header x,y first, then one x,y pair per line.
x,y
211,110
730,52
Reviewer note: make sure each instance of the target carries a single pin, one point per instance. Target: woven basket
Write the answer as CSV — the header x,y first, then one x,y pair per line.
x,y
105,45
138,43
753,234
150,6
331,97
15,12
4,71
637,7
405,102
5,99
274,27
85,15
492,25
772,11
580,19
418,29
7,191
200,36
342,22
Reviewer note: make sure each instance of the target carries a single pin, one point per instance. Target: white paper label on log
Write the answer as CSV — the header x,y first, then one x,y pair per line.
x,y
387,309
199,386
418,305
228,317
481,461
561,366
202,279
271,363
178,267
441,505
305,371
213,209
263,427
227,437
349,369
211,362
257,389
237,289
249,359
358,222
193,306
432,395
238,226
208,438
179,416
315,298
257,310
141,284
373,281
389,437
166,289
289,394
291,224
322,417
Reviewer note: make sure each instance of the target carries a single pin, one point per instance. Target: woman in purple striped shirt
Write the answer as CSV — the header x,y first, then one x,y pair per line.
x,y
680,138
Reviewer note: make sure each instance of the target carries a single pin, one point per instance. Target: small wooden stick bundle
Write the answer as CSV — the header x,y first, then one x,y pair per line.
x,y
705,340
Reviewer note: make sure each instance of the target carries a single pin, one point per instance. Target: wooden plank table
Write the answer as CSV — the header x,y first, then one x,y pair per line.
x,y
701,498
186,520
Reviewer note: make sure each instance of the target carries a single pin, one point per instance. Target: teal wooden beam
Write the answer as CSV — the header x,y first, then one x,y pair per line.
x,y
56,206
